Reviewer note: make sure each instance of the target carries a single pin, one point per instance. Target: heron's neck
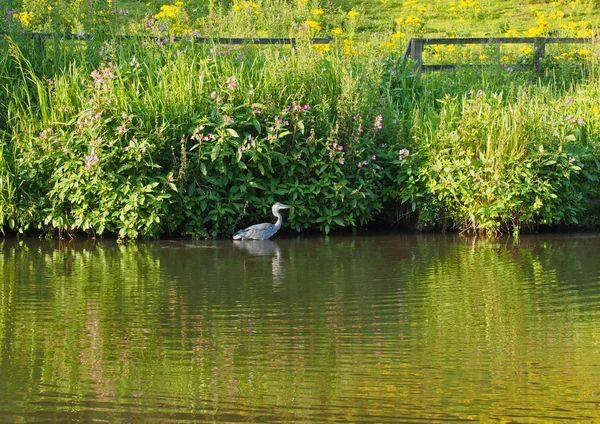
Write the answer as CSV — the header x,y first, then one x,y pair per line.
x,y
279,219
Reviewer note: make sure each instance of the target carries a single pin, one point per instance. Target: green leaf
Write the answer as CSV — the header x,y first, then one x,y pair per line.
x,y
256,185
591,177
124,168
233,132
339,221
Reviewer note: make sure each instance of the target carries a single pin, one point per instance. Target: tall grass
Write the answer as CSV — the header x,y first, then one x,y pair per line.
x,y
142,138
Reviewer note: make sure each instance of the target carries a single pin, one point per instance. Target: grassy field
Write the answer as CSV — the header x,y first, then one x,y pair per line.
x,y
147,137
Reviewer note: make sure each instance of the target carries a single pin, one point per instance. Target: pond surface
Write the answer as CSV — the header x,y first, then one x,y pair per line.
x,y
341,329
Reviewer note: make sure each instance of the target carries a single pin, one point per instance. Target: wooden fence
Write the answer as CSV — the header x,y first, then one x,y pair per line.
x,y
414,50
41,36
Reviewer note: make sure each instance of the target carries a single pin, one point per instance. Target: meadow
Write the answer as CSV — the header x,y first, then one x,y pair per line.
x,y
150,135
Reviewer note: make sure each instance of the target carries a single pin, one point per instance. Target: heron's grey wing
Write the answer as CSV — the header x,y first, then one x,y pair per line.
x,y
256,232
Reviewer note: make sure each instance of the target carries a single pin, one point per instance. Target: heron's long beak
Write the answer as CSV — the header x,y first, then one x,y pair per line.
x,y
287,207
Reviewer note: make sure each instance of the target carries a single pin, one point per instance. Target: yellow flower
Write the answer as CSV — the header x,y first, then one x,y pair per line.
x,y
398,35
321,47
353,14
337,31
584,52
388,45
399,21
512,33
24,17
317,12
421,9
526,50
254,5
348,47
414,20
534,32
314,25
179,3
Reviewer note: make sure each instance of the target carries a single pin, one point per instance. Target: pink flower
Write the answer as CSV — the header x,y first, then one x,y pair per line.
x,y
378,122
403,154
231,83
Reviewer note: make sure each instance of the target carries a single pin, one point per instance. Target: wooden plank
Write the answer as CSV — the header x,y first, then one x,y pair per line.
x,y
414,49
503,40
452,67
221,40
479,40
568,40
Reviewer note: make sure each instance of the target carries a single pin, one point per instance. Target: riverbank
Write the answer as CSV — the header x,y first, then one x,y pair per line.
x,y
142,139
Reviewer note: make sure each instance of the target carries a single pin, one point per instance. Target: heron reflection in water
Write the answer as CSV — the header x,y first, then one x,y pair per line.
x,y
262,250
265,230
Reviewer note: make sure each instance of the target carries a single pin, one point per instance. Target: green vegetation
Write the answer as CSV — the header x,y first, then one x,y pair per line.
x,y
141,137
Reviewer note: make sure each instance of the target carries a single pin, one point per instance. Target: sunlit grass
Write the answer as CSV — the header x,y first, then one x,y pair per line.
x,y
145,136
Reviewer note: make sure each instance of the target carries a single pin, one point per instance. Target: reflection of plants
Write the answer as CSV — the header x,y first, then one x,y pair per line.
x,y
137,312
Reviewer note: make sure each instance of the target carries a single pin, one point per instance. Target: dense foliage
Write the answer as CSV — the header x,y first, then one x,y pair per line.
x,y
143,137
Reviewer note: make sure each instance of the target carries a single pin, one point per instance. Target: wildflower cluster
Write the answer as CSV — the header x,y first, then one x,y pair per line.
x,y
104,74
335,150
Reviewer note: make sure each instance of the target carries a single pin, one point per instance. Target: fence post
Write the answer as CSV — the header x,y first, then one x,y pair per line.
x,y
539,50
416,50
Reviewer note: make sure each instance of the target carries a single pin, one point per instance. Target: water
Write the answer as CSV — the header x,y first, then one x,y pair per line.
x,y
344,329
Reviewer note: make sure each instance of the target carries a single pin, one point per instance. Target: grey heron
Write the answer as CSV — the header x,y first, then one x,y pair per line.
x,y
265,230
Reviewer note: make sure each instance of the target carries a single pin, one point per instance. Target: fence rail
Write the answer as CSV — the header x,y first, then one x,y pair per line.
x,y
218,40
414,49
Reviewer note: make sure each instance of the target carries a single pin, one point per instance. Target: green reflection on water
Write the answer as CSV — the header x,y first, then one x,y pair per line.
x,y
370,329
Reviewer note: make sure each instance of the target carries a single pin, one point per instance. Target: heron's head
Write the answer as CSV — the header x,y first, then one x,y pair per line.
x,y
279,206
